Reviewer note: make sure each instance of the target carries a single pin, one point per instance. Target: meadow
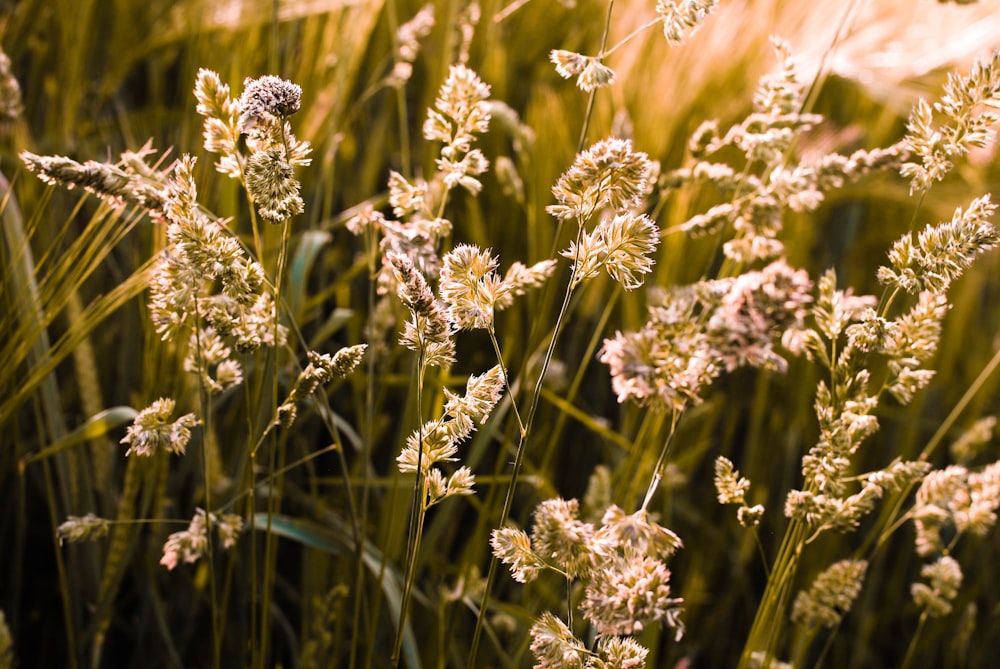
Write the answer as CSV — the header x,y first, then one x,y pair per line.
x,y
543,333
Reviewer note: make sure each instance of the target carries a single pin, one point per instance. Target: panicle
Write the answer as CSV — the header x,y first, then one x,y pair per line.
x,y
152,430
266,101
82,528
609,173
554,645
682,17
513,548
937,596
942,252
831,595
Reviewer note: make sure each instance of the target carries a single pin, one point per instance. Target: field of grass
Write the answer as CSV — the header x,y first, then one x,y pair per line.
x,y
236,431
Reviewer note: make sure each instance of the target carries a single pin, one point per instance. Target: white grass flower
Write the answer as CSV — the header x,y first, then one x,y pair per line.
x,y
513,548
630,593
590,72
937,596
629,242
554,645
682,17
831,595
210,358
409,34
267,100
152,430
519,278
969,444
11,104
272,185
942,252
965,126
730,487
636,534
188,545
221,130
82,528
469,286
608,173
620,653
561,539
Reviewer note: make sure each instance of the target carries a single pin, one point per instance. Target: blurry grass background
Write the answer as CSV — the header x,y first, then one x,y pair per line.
x,y
102,76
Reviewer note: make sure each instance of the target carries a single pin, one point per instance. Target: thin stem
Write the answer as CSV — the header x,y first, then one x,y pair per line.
x,y
506,379
417,512
661,462
206,412
632,35
911,650
894,520
521,447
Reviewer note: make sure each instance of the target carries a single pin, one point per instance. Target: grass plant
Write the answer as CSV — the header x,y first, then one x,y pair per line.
x,y
589,333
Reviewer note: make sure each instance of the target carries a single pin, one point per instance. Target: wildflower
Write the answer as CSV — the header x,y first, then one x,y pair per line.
x,y
936,597
152,430
406,198
191,544
272,185
608,173
82,528
682,17
255,326
554,645
831,595
266,100
459,111
665,362
780,92
628,594
321,370
942,252
756,307
481,395
519,278
513,547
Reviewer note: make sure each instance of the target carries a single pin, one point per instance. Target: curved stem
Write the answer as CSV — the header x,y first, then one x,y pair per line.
x,y
521,447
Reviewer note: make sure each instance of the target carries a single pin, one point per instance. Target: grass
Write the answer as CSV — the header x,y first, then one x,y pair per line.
x,y
322,576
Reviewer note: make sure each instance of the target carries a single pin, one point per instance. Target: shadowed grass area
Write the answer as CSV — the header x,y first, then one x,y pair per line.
x,y
324,573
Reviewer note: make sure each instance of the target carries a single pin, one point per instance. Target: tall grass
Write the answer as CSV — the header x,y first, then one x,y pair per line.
x,y
344,560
